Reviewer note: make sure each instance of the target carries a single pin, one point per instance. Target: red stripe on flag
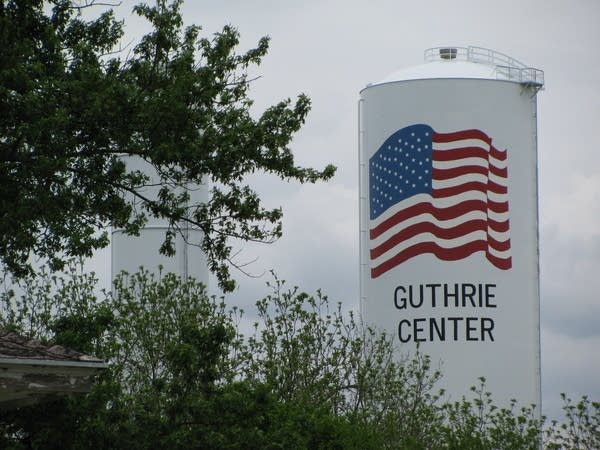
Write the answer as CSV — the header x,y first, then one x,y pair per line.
x,y
496,188
500,246
459,153
500,155
447,174
445,254
428,227
451,212
460,135
497,207
459,189
500,263
498,227
499,172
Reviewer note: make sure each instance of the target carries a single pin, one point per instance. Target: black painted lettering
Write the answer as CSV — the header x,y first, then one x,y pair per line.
x,y
440,331
487,325
417,330
448,295
455,321
489,295
471,329
400,334
480,292
433,288
414,303
399,300
468,292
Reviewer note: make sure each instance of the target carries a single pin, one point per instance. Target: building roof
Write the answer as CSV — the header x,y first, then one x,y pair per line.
x,y
15,346
31,371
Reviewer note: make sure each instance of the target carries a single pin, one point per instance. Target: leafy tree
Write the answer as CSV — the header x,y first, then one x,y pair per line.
x,y
72,106
174,379
181,375
310,376
580,430
479,424
311,352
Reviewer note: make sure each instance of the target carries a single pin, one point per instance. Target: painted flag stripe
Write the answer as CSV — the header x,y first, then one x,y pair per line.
x,y
445,254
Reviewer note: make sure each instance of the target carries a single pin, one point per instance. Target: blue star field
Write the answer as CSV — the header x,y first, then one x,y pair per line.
x,y
400,168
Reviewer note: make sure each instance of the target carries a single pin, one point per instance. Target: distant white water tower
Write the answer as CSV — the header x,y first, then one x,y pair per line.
x,y
129,253
449,217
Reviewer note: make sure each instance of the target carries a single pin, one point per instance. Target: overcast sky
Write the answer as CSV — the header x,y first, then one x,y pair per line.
x,y
331,49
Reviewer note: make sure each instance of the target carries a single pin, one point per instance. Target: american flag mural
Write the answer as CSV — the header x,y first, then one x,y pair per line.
x,y
438,193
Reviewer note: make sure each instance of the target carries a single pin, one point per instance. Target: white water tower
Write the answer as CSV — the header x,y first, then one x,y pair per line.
x,y
129,253
449,217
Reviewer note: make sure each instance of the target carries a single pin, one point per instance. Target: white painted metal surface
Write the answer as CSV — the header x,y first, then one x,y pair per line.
x,y
449,225
129,253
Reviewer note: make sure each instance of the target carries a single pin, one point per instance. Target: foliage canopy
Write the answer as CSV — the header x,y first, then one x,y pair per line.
x,y
71,106
309,376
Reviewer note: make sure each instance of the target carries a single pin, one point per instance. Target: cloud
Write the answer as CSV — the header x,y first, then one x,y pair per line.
x,y
569,365
570,284
573,212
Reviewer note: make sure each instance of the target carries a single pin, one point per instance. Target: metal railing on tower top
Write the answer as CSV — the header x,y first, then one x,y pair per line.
x,y
505,67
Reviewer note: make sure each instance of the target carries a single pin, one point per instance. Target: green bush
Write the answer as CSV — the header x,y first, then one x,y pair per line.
x,y
310,376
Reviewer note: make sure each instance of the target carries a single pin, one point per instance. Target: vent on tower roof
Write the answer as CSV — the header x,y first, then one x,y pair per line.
x,y
448,53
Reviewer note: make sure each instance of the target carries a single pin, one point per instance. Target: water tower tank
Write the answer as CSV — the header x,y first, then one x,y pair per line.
x,y
449,221
129,253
